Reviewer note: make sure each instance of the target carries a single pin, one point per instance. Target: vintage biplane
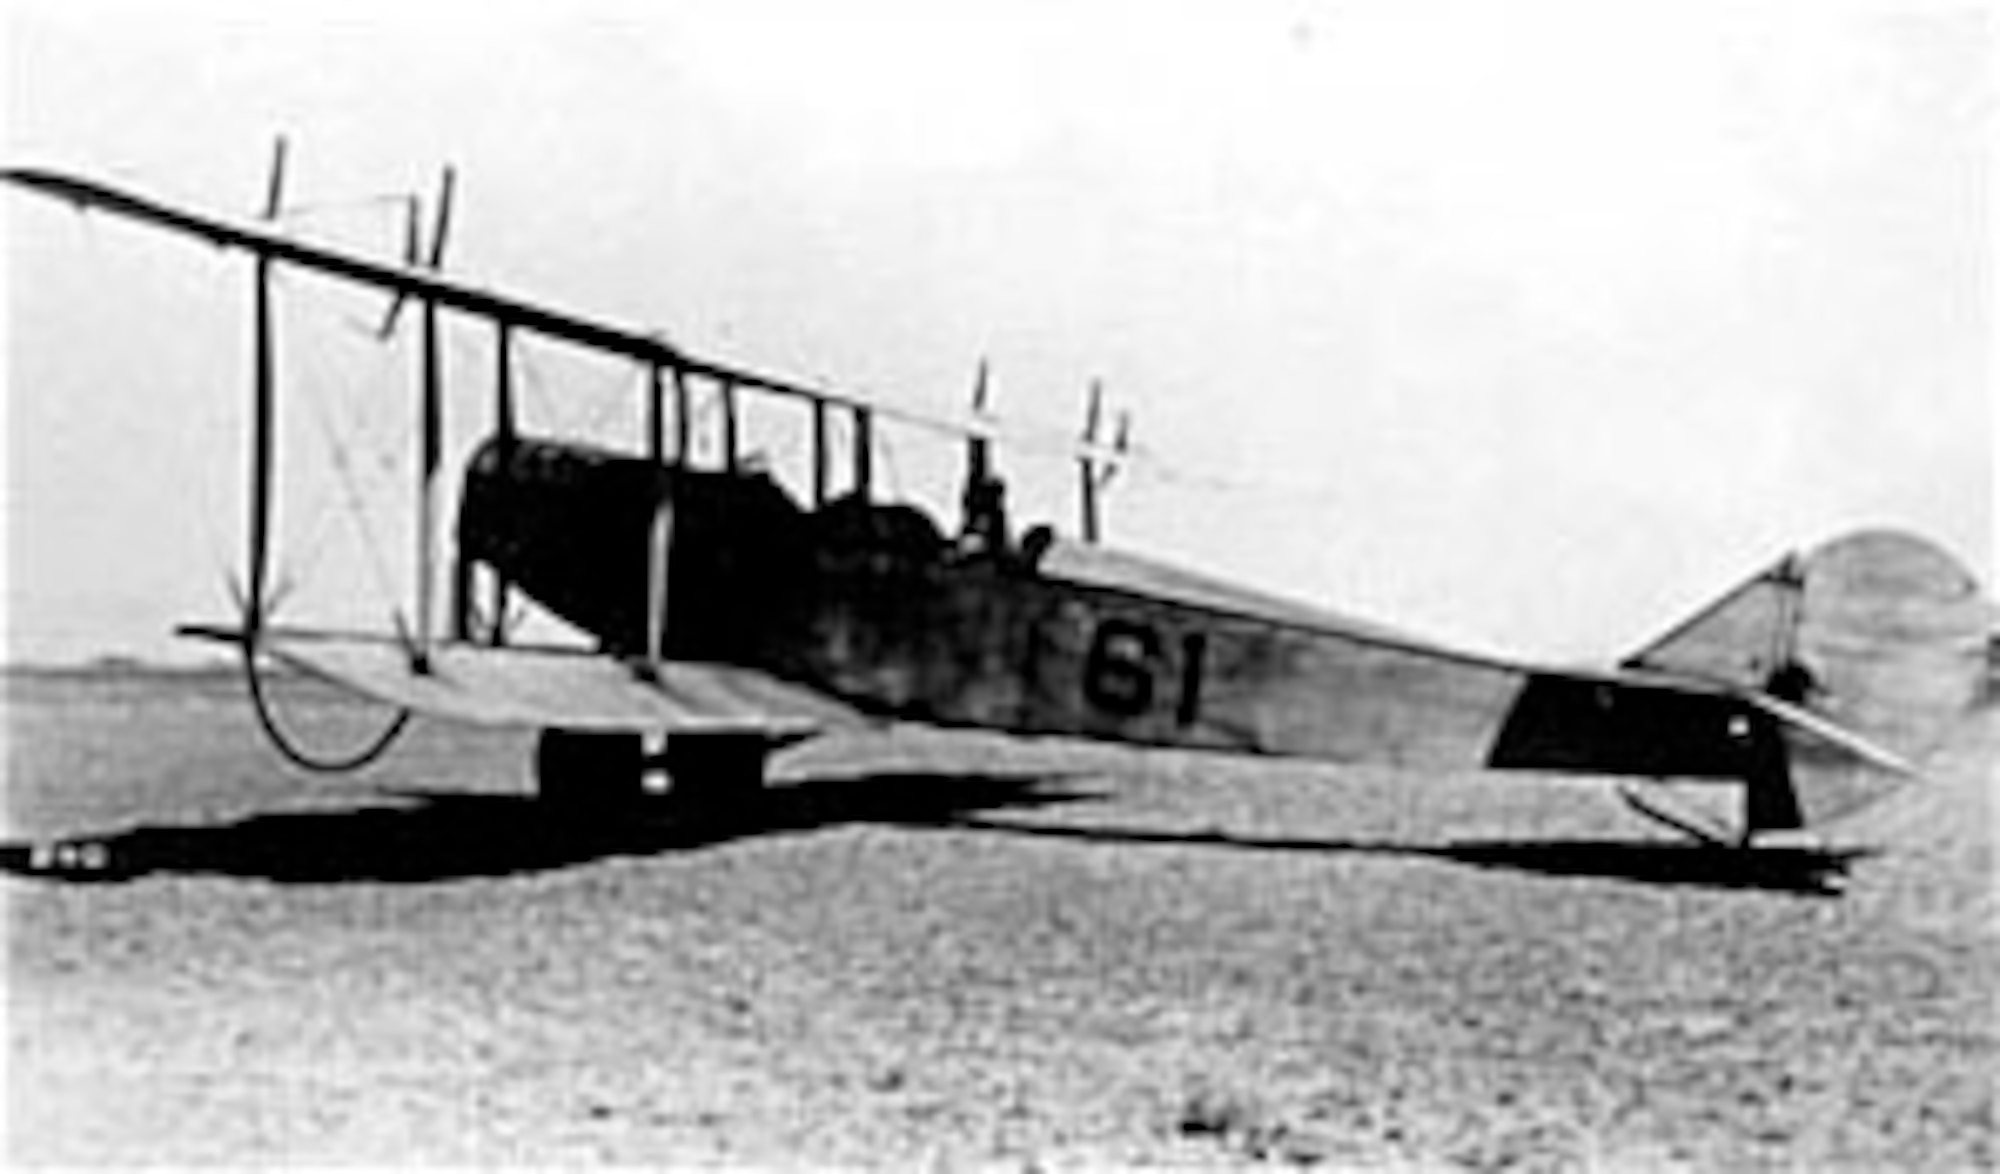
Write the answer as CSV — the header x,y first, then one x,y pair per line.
x,y
727,618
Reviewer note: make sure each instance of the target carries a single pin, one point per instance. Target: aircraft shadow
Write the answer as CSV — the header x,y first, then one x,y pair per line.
x,y
1810,871
426,836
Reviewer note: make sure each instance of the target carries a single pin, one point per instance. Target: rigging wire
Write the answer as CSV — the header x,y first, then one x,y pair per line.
x,y
341,456
533,392
353,204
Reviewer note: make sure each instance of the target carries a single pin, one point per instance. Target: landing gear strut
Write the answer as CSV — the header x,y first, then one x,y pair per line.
x,y
710,774
588,771
714,773
1770,801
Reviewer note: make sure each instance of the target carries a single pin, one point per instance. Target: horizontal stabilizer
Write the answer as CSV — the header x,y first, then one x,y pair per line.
x,y
1834,771
1806,721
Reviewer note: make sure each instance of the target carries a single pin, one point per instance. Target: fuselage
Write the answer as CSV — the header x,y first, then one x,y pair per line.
x,y
874,604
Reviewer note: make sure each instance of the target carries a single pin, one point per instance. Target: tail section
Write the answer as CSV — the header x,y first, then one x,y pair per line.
x,y
1864,653
1742,639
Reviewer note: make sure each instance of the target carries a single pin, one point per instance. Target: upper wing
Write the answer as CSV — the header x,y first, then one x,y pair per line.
x,y
410,281
553,688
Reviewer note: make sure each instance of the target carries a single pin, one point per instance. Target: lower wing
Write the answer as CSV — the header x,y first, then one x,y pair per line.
x,y
551,687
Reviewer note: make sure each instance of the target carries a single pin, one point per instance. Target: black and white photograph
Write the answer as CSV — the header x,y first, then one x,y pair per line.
x,y
1028,587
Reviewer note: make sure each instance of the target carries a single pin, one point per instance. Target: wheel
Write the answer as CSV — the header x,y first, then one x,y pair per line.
x,y
713,773
580,770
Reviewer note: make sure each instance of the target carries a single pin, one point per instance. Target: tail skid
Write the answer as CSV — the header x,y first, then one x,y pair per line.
x,y
1656,807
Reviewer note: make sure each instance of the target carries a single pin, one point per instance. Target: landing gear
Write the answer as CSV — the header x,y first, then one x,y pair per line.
x,y
590,771
1767,803
714,774
595,772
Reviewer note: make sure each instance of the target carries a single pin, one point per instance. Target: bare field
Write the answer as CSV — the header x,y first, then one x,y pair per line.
x,y
957,951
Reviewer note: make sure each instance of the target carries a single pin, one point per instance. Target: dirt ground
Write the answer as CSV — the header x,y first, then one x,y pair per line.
x,y
934,951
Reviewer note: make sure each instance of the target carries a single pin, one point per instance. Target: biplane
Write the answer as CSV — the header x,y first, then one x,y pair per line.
x,y
726,617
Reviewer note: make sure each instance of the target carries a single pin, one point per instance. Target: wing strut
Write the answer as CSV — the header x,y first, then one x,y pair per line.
x,y
660,533
730,455
683,406
864,452
1088,480
504,428
656,413
429,457
659,552
263,409
819,453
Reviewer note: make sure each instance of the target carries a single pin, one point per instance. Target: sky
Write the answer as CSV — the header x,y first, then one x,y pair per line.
x,y
1531,326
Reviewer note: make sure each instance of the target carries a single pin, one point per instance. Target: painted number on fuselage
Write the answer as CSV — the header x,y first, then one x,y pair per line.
x,y
1124,659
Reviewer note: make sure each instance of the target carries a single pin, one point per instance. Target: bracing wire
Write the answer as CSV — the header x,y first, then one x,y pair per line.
x,y
317,508
535,397
341,457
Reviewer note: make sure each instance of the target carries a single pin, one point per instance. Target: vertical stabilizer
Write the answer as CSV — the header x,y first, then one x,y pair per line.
x,y
1744,638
